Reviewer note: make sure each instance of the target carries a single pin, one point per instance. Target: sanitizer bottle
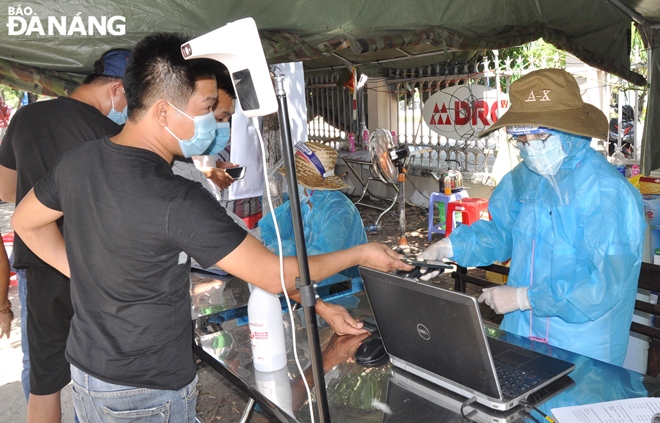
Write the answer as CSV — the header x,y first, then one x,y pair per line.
x,y
266,331
618,160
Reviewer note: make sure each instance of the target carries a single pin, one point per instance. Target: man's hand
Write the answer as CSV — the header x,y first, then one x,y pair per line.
x,y
339,320
218,176
381,257
505,299
224,165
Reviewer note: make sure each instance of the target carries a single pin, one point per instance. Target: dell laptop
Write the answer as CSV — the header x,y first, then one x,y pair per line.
x,y
438,335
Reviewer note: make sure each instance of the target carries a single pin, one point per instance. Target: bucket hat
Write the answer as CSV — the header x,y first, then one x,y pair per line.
x,y
315,166
551,98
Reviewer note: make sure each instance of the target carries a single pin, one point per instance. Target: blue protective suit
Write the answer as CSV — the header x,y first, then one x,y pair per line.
x,y
576,243
331,222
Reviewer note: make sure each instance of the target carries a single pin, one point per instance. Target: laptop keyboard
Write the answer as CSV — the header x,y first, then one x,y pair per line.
x,y
514,381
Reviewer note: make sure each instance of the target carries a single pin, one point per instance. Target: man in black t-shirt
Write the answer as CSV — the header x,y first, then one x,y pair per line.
x,y
37,137
132,226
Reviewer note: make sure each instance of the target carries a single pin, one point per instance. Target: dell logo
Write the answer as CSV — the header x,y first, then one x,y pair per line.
x,y
423,332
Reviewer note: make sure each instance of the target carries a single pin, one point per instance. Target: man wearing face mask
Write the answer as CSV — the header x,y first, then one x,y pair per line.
x,y
572,226
206,167
210,163
38,135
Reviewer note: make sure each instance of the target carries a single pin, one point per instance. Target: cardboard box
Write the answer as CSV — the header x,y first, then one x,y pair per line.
x,y
649,185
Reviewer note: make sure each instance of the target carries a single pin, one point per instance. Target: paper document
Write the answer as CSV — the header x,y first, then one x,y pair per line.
x,y
621,411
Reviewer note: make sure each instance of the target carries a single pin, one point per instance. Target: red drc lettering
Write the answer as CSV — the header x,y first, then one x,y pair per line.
x,y
479,111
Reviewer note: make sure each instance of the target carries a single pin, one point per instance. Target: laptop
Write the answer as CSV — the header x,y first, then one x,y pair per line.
x,y
410,398
438,335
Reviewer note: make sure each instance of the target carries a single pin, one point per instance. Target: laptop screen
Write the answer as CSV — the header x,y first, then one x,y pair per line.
x,y
437,330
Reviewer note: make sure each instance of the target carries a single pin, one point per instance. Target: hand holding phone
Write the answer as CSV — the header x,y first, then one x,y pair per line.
x,y
426,263
236,172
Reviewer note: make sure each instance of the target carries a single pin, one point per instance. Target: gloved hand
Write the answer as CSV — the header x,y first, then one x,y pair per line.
x,y
436,252
505,299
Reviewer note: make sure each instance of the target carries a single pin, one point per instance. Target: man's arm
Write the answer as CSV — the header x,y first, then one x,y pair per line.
x,y
7,317
7,184
37,227
254,263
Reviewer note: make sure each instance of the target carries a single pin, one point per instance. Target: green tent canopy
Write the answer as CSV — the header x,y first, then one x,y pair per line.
x,y
49,46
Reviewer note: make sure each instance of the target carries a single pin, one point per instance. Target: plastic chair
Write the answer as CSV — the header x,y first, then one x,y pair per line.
x,y
470,209
439,197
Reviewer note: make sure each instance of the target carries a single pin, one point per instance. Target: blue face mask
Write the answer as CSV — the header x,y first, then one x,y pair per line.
x,y
203,137
117,117
222,134
544,157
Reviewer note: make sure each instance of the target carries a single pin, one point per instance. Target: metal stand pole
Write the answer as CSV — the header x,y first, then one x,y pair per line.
x,y
307,294
403,241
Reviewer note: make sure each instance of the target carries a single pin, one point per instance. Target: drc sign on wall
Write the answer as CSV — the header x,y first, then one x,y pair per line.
x,y
463,111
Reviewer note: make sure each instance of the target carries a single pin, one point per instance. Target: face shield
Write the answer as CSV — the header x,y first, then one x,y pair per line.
x,y
541,150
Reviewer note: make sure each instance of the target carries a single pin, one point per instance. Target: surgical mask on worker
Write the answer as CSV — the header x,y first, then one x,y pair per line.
x,y
543,156
117,117
204,134
222,135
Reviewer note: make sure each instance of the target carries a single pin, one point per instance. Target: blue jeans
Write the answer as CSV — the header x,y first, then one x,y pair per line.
x,y
22,297
96,401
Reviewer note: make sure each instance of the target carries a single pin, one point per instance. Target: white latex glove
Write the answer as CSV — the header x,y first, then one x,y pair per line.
x,y
436,252
505,299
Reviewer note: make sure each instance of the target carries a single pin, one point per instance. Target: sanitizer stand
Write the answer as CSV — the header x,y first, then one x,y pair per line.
x,y
307,292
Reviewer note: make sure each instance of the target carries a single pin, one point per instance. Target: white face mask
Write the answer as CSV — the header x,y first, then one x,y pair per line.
x,y
543,157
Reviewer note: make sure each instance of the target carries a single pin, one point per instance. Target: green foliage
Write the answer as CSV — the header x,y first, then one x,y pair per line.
x,y
535,55
11,96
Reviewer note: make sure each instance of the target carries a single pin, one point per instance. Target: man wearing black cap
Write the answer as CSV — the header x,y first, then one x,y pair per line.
x,y
38,135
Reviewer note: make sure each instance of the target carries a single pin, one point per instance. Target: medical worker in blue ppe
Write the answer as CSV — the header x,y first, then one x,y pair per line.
x,y
572,226
331,222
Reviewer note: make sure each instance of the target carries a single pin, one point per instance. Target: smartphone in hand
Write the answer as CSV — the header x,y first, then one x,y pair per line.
x,y
236,172
426,263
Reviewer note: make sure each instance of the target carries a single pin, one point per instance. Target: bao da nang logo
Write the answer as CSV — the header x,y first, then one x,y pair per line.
x,y
25,21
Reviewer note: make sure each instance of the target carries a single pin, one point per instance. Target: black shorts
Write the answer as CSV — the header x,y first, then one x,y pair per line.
x,y
48,323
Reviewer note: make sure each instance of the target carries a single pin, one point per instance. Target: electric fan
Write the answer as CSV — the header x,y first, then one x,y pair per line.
x,y
388,160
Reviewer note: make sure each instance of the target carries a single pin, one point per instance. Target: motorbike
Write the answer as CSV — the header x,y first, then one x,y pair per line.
x,y
627,132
